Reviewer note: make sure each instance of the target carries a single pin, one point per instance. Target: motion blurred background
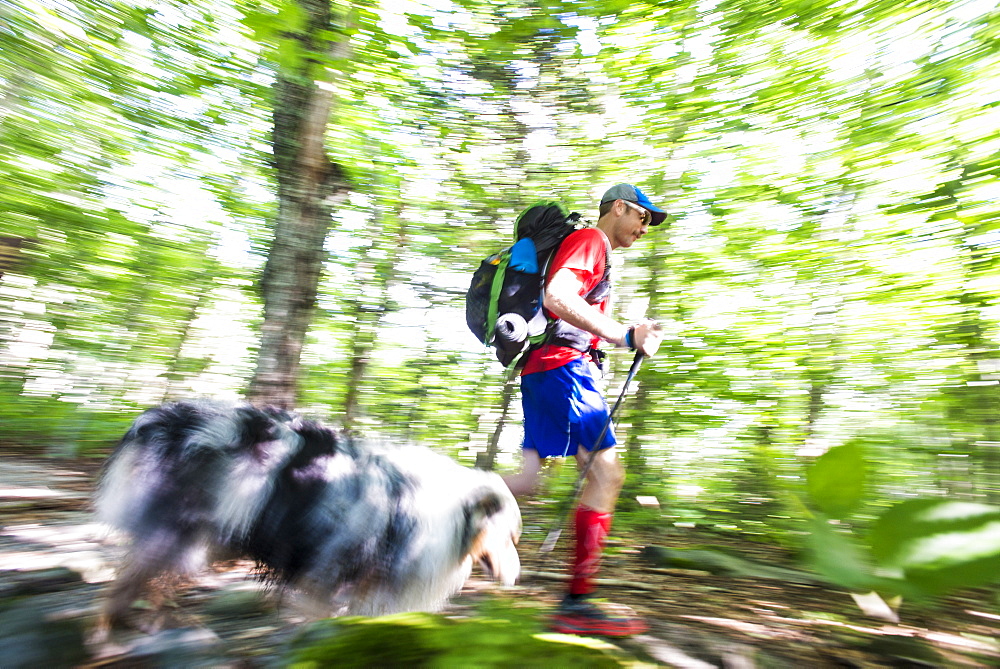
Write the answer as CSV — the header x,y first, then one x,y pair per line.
x,y
828,276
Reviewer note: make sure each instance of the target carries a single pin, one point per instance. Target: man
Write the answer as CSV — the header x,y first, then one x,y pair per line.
x,y
564,412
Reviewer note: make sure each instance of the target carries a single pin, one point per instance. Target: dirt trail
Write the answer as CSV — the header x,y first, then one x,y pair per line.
x,y
54,562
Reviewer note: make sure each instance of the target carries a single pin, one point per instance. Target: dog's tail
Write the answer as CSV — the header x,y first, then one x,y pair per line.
x,y
165,471
199,468
158,488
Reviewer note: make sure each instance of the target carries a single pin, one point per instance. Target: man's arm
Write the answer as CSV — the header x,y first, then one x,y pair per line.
x,y
562,297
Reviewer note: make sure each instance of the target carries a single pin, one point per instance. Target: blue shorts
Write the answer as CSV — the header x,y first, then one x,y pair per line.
x,y
564,409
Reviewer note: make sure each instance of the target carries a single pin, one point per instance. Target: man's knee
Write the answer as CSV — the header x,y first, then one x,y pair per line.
x,y
616,474
607,470
525,482
521,484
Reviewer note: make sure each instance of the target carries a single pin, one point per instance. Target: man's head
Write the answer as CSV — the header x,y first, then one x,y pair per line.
x,y
629,193
626,214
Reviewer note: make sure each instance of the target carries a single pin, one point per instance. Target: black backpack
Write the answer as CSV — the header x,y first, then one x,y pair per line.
x,y
503,305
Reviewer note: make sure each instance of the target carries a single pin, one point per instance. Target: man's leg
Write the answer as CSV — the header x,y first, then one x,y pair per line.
x,y
525,481
605,478
578,614
593,516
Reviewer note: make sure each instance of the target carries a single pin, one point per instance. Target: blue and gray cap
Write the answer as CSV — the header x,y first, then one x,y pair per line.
x,y
632,194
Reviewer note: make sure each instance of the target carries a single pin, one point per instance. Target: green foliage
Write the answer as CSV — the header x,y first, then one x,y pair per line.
x,y
837,557
827,281
836,480
501,636
719,561
939,544
919,548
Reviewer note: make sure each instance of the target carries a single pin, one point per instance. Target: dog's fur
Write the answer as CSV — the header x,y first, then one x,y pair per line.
x,y
362,529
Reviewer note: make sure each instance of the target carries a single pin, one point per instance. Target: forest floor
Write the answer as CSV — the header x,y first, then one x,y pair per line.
x,y
54,564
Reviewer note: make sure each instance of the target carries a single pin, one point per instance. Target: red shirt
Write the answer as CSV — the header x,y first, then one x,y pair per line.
x,y
583,251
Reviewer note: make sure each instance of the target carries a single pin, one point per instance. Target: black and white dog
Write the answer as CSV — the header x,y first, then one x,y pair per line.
x,y
364,530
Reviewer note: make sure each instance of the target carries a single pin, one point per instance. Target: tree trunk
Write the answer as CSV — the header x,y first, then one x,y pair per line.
x,y
308,183
377,273
10,249
488,459
362,345
175,370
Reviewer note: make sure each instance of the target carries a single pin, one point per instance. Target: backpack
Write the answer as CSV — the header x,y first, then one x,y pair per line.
x,y
503,304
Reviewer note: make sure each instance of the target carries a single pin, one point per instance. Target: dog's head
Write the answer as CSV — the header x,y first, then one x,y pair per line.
x,y
492,529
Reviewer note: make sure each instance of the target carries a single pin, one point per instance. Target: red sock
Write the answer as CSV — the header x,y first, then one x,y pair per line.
x,y
591,529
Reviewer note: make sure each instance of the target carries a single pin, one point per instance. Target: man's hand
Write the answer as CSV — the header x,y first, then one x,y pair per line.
x,y
562,298
648,336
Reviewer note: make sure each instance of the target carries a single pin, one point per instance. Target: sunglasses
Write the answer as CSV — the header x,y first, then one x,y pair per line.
x,y
647,218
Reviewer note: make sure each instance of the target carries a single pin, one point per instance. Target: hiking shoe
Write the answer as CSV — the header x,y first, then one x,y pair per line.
x,y
582,616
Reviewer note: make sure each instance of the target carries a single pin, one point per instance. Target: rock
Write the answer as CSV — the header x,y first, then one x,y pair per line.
x,y
239,602
18,582
907,651
181,647
422,639
31,637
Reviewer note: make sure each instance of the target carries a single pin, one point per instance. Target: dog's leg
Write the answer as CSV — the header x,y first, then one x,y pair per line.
x,y
164,554
132,579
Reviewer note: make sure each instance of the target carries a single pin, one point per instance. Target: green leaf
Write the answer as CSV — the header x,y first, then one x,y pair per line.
x,y
262,23
836,481
836,558
940,544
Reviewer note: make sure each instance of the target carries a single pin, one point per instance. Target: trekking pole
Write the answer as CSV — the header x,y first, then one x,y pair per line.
x,y
553,536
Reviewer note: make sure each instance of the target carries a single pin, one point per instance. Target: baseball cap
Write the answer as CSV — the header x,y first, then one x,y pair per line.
x,y
633,194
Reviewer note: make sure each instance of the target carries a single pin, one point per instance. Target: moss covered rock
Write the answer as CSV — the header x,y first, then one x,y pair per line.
x,y
499,635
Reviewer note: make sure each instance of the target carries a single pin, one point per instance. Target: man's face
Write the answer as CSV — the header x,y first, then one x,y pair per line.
x,y
632,225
